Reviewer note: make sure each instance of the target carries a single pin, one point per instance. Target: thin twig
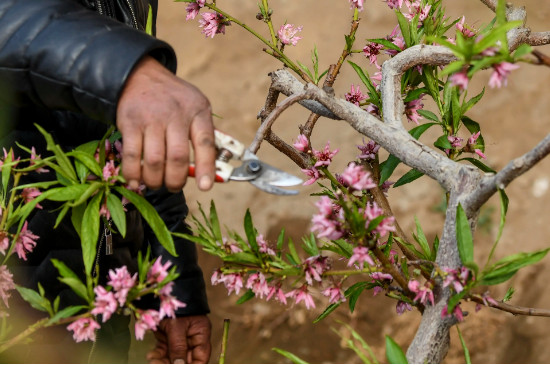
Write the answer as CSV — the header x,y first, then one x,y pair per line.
x,y
513,309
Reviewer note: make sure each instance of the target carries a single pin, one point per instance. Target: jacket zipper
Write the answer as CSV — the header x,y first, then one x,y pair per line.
x,y
134,18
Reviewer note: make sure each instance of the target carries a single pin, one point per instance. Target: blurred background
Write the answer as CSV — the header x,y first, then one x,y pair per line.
x,y
232,71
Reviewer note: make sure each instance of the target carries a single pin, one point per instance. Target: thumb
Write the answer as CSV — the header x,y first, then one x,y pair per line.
x,y
176,333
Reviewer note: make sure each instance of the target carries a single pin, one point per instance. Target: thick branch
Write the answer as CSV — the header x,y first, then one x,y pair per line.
x,y
515,168
395,140
393,69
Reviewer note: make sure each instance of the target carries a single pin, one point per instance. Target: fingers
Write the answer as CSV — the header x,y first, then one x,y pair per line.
x,y
154,144
202,138
177,157
131,152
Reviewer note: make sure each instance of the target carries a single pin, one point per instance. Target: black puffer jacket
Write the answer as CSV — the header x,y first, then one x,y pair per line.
x,y
63,64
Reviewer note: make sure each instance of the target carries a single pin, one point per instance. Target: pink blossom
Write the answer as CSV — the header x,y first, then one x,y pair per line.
x,y
380,276
480,153
324,157
28,194
168,303
335,294
233,282
4,242
373,211
327,222
26,242
396,38
110,171
401,307
394,4
368,150
263,246
212,24
360,256
371,51
376,80
490,51
34,157
455,141
459,79
313,175
277,292
355,96
6,284
105,303
424,294
257,283
122,282
463,29
473,138
302,295
104,211
500,74
458,279
386,186
488,300
356,4
158,272
287,34
373,109
415,8
356,177
146,320
411,109
302,144
314,267
457,312
229,246
84,329
192,10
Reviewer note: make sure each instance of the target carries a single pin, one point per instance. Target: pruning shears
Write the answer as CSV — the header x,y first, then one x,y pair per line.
x,y
252,169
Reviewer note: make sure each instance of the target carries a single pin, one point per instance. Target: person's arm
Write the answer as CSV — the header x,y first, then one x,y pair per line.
x,y
59,55
186,337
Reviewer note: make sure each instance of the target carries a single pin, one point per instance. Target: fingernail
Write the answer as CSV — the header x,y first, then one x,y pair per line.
x,y
133,184
205,183
179,361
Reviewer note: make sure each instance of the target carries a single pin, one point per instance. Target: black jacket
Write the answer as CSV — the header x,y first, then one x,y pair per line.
x,y
63,64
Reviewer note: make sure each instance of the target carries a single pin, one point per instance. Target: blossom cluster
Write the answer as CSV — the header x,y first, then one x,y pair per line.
x,y
116,296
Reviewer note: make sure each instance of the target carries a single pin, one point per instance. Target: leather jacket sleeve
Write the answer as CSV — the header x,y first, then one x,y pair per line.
x,y
189,287
60,55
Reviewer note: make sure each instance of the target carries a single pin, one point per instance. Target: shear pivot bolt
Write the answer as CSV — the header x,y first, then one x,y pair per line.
x,y
254,166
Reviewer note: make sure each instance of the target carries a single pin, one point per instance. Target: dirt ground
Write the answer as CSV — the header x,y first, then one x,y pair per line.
x,y
232,71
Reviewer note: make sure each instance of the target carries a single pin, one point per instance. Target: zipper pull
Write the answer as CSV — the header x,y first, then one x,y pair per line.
x,y
108,241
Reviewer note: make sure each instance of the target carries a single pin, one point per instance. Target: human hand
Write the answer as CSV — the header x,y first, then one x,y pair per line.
x,y
182,340
157,115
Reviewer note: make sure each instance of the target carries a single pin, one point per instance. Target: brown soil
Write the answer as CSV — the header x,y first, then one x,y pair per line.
x,y
232,70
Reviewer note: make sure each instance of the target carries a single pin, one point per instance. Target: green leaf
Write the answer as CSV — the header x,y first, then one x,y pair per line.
x,y
428,115
281,240
375,99
331,308
408,177
480,165
509,294
61,215
464,236
243,257
246,297
470,103
215,223
464,348
34,299
295,359
495,35
522,50
68,193
394,354
506,268
149,24
421,239
404,25
293,252
386,43
456,109
114,204
415,94
152,218
452,67
310,245
250,231
76,217
65,167
90,232
74,281
88,161
443,143
353,293
65,313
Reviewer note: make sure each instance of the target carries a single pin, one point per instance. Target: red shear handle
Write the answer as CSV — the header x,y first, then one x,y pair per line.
x,y
191,173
